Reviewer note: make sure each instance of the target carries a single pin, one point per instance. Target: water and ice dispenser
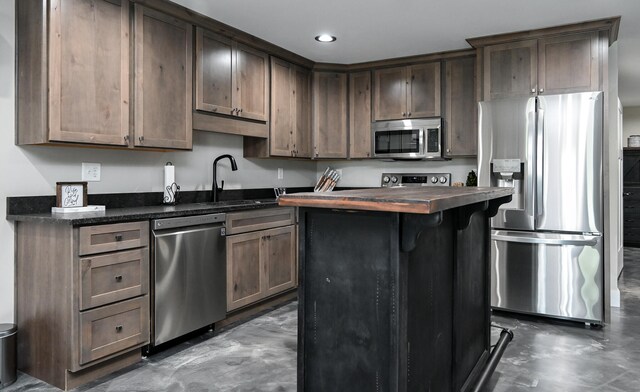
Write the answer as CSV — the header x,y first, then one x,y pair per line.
x,y
509,173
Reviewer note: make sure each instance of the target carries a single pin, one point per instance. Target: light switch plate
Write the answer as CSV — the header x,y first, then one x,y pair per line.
x,y
91,171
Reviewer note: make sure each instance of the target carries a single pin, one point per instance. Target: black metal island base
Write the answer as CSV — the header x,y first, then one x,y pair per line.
x,y
394,288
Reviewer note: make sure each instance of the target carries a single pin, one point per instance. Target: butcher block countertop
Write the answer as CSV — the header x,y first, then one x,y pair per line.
x,y
414,200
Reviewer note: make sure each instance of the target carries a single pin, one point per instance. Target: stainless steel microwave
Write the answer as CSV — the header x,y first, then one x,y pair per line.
x,y
407,139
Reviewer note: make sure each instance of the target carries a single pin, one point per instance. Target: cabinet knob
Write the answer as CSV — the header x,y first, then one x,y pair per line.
x,y
404,114
240,110
126,139
141,139
118,278
118,328
626,194
448,150
409,114
118,237
533,91
542,90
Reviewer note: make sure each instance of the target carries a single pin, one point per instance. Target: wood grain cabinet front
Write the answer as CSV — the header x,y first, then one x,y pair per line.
x,y
231,79
551,65
93,282
460,108
80,71
289,132
262,260
411,91
360,114
329,115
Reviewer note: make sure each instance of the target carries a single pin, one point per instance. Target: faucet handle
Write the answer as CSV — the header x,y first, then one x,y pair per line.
x,y
222,185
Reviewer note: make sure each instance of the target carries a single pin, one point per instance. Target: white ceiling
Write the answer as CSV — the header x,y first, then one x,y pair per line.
x,y
380,29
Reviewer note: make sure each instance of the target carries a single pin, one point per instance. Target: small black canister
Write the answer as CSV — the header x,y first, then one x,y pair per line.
x,y
8,372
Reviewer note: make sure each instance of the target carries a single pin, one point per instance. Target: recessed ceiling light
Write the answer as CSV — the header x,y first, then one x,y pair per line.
x,y
325,38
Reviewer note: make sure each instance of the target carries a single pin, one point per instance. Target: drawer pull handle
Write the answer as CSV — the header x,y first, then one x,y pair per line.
x,y
118,328
118,237
118,278
626,194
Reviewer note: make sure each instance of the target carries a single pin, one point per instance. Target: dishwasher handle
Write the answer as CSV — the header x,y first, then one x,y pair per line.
x,y
185,221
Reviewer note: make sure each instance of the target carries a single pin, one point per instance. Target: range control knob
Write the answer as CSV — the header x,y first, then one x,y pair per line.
x,y
434,180
394,179
443,180
385,179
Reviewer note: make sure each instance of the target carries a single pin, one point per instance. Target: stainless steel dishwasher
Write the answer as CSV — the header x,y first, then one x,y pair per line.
x,y
188,275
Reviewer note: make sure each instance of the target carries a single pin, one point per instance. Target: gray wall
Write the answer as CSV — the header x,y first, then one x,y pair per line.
x,y
631,122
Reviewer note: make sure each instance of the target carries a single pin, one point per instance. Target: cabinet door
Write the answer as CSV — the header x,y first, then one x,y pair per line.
x,y
302,98
244,269
461,108
89,72
510,70
281,108
568,64
360,115
252,88
280,260
330,115
163,75
214,75
390,94
423,98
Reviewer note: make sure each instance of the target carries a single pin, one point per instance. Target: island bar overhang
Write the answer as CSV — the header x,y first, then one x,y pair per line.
x,y
394,288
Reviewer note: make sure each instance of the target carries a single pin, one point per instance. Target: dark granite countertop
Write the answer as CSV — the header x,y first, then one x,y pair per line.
x,y
112,215
416,200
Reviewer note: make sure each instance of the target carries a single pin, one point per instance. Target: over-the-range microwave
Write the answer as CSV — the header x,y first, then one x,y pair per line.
x,y
407,139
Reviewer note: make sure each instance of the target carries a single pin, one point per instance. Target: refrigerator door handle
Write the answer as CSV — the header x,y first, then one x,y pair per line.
x,y
579,240
530,185
539,164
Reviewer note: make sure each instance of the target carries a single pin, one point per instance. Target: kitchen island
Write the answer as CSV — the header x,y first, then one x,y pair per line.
x,y
394,288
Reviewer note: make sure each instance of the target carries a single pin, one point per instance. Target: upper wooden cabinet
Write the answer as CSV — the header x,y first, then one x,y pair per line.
x,y
329,115
360,114
411,91
231,78
73,72
290,134
74,75
163,80
554,65
460,107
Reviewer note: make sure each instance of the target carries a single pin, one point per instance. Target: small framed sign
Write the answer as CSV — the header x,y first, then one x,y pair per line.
x,y
71,194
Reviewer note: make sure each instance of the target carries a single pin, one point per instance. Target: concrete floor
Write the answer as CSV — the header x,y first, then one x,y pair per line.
x,y
260,355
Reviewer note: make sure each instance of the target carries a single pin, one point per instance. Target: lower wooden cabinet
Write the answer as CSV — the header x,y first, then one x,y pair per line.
x,y
261,263
82,299
631,216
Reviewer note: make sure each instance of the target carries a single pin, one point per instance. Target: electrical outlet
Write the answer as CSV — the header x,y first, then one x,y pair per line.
x,y
280,173
91,171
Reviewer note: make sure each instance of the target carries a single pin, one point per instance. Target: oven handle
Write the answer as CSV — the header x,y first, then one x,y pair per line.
x,y
542,239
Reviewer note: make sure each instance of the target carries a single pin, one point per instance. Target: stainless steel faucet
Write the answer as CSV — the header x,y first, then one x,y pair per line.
x,y
214,187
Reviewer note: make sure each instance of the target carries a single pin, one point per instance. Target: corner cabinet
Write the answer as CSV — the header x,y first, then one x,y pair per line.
x,y
290,125
75,81
411,91
329,116
231,79
460,108
550,65
261,255
360,114
163,80
82,299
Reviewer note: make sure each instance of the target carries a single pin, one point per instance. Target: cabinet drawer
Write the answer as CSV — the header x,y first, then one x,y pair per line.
x,y
107,238
246,221
113,277
113,328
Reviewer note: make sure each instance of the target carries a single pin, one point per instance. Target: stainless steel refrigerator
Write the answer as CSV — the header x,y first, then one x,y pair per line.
x,y
546,244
